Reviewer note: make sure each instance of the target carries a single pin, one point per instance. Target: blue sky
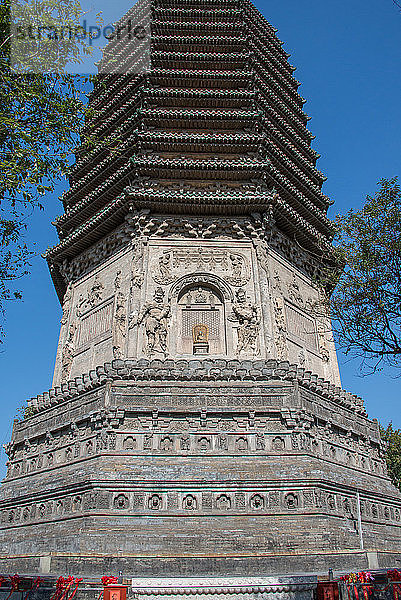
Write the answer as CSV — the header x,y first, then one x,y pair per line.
x,y
348,58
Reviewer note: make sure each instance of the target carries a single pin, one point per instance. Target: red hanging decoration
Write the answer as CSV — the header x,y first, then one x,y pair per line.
x,y
352,579
35,584
2,580
395,576
63,587
68,583
15,581
109,580
77,582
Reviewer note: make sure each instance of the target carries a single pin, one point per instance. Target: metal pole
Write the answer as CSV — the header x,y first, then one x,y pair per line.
x,y
358,508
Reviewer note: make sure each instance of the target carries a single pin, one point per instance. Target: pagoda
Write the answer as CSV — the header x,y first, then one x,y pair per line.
x,y
196,424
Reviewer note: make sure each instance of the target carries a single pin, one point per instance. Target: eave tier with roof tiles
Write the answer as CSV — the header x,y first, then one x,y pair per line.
x,y
208,97
171,114
94,201
169,141
170,98
241,185
238,59
202,118
220,163
197,203
306,181
273,58
208,142
220,105
174,67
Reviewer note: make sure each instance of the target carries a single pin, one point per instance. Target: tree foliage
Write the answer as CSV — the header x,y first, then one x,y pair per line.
x,y
392,437
41,115
366,302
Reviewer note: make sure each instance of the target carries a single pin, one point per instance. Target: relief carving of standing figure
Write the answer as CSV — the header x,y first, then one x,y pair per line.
x,y
165,265
281,326
236,265
68,353
249,324
119,326
96,292
66,304
154,315
324,351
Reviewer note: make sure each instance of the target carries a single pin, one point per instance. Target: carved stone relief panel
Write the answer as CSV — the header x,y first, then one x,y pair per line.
x,y
94,311
121,502
154,317
302,332
137,272
95,255
95,323
138,442
189,502
323,335
251,502
68,351
67,305
201,308
301,327
248,317
223,502
119,323
207,501
155,502
257,502
280,337
291,501
200,282
170,264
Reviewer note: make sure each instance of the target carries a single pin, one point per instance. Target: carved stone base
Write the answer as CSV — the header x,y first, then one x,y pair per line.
x,y
214,467
222,576
201,347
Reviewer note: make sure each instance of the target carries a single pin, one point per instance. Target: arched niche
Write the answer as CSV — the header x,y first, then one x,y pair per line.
x,y
202,278
200,302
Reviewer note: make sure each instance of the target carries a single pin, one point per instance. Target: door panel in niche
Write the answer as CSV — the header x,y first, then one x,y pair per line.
x,y
201,305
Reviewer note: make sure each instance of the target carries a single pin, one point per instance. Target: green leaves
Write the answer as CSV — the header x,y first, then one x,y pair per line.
x,y
392,438
366,302
45,35
41,116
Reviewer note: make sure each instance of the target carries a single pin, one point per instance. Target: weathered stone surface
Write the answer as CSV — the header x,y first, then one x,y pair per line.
x,y
160,468
196,424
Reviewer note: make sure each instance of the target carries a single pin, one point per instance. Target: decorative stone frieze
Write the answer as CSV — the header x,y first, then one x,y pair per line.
x,y
196,422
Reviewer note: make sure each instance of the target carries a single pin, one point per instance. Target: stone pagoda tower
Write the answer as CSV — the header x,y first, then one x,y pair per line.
x,y
196,423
